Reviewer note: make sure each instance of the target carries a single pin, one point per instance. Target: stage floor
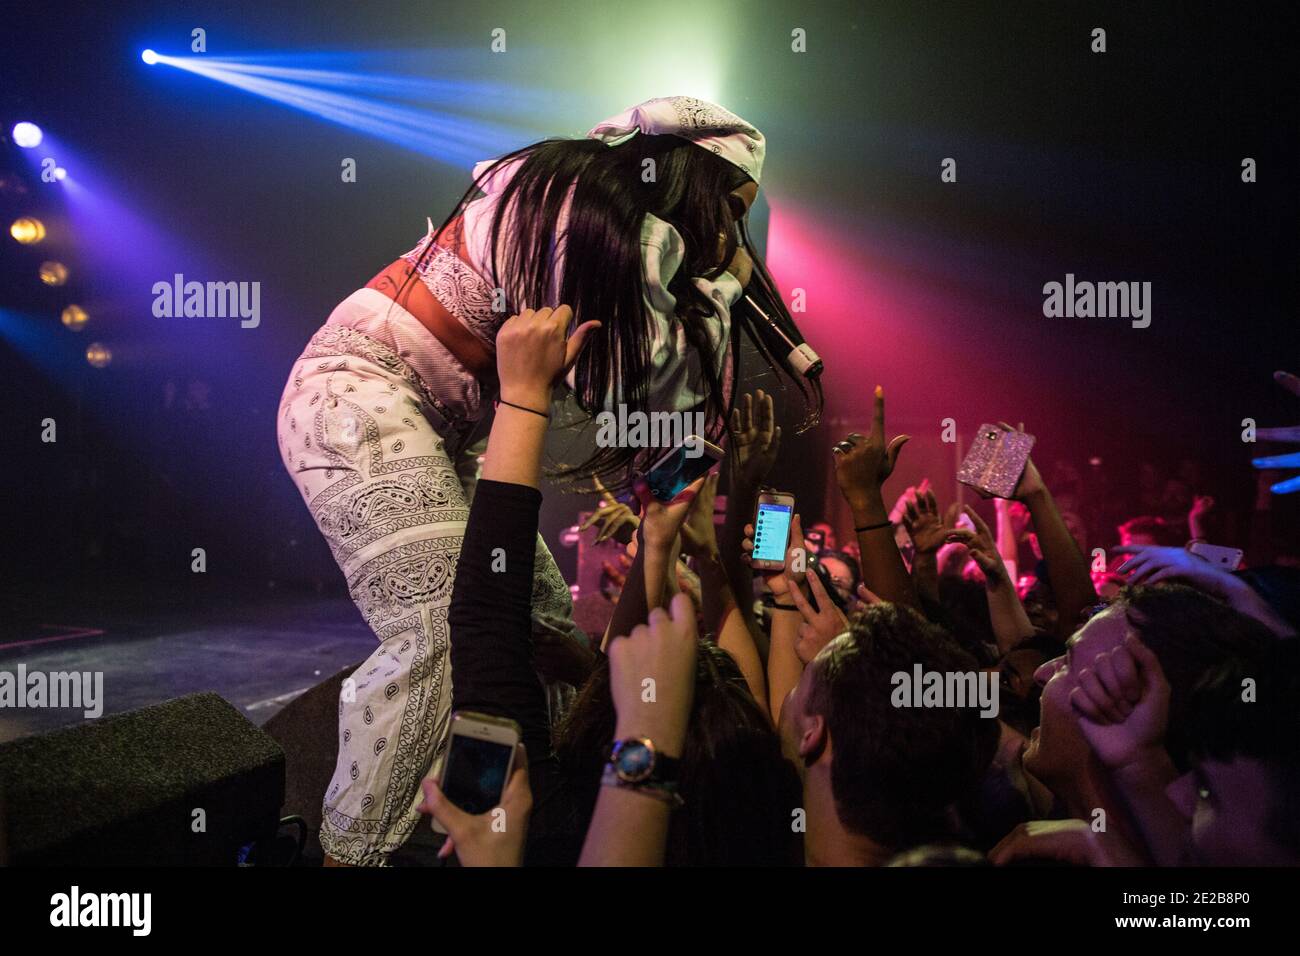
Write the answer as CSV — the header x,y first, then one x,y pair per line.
x,y
258,650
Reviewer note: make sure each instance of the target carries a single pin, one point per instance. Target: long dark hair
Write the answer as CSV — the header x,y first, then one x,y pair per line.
x,y
740,792
613,188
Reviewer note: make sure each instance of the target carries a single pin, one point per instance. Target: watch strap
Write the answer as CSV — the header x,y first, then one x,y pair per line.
x,y
660,790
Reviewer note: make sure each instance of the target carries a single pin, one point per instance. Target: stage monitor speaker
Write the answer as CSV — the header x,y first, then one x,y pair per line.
x,y
188,782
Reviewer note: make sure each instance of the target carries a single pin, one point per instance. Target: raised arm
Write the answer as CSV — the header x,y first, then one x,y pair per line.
x,y
755,444
629,826
721,615
492,655
928,530
783,664
862,464
1006,614
1066,565
647,580
1122,700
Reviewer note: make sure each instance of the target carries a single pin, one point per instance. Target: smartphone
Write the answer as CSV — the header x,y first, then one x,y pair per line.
x,y
480,759
772,530
996,461
1227,558
680,465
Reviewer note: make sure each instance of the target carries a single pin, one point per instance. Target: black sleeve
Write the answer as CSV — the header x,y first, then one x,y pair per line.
x,y
492,667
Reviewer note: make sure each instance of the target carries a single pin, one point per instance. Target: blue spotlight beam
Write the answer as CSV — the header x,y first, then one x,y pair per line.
x,y
354,100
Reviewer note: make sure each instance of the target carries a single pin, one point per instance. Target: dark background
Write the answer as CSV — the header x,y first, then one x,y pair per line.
x,y
1118,166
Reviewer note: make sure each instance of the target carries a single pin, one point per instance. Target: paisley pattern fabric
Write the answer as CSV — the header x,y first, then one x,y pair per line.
x,y
705,124
461,290
367,446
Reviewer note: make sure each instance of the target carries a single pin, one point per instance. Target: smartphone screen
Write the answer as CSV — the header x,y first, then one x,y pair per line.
x,y
771,531
667,480
474,775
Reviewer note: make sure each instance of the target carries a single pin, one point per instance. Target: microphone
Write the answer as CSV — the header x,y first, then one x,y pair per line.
x,y
800,355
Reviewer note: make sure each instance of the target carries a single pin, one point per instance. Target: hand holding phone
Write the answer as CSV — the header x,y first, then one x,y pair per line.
x,y
1229,559
996,460
679,466
480,757
660,521
495,838
772,523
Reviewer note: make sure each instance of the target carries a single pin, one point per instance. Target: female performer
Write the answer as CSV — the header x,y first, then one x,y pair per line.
x,y
639,228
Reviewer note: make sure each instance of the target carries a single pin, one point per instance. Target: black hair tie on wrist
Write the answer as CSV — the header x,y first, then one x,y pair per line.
x,y
523,408
874,527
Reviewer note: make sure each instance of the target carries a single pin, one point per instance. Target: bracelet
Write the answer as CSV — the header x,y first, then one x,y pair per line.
x,y
874,527
784,607
523,408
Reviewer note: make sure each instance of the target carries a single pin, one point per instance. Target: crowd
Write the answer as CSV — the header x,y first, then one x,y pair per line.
x,y
1144,713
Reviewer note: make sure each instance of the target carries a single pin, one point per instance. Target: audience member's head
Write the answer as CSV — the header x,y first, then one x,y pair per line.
x,y
880,778
828,540
842,574
1150,530
966,604
1188,631
1242,796
1020,692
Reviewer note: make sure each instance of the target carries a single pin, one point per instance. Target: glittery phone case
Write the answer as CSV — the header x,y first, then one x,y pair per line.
x,y
996,461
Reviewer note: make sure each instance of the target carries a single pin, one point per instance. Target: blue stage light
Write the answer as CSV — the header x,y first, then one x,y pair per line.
x,y
27,135
420,113
149,56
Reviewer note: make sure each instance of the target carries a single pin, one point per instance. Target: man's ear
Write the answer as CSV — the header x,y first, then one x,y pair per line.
x,y
814,738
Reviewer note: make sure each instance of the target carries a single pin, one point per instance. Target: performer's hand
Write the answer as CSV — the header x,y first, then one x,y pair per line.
x,y
534,351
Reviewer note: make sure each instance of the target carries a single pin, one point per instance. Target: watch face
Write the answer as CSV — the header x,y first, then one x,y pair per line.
x,y
634,761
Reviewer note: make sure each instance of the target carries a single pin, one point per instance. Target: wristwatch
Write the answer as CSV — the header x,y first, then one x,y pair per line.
x,y
634,763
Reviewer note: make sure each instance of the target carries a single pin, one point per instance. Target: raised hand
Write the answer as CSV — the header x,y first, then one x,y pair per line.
x,y
820,626
661,651
982,548
910,493
796,558
1286,434
534,350
699,535
926,526
864,462
611,517
756,438
1151,564
1031,482
661,521
1202,505
1122,699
